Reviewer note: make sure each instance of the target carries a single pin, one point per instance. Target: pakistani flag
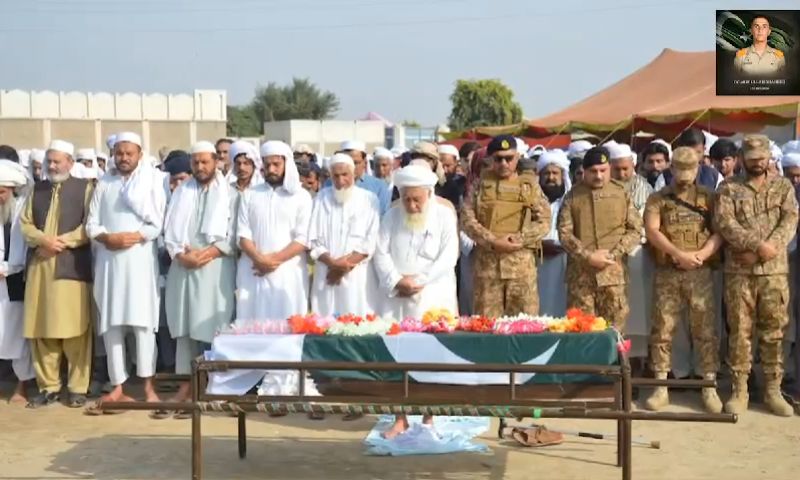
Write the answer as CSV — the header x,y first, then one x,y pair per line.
x,y
454,348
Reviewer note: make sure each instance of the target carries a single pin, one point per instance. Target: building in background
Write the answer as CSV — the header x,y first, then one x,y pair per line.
x,y
32,119
326,136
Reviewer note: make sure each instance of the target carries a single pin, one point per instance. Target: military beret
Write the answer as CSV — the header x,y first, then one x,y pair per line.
x,y
501,142
595,156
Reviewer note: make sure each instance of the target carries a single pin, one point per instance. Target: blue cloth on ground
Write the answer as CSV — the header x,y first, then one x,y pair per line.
x,y
448,435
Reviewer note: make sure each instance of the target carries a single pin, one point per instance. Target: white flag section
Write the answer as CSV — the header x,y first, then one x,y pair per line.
x,y
424,348
265,348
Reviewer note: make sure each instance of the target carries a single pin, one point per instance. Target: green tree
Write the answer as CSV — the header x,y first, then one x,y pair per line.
x,y
299,100
243,121
482,103
411,124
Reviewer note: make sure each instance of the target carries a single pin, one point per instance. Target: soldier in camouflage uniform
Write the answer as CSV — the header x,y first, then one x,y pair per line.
x,y
598,226
507,216
677,221
757,217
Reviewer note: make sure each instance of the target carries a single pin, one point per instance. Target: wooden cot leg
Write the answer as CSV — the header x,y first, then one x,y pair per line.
x,y
242,435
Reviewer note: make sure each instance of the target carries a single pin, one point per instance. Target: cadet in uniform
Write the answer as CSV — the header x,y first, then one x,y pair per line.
x,y
598,226
749,61
757,217
677,222
507,217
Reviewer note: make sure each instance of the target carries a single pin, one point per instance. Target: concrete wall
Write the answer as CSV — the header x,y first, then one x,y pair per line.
x,y
325,137
33,119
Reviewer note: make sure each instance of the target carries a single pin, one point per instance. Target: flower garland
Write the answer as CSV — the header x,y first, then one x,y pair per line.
x,y
437,320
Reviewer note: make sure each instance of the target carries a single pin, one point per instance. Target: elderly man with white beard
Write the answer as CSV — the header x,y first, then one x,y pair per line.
x,y
553,167
416,256
417,249
342,238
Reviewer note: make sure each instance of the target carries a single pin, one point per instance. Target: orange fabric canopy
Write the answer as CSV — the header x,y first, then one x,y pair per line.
x,y
674,90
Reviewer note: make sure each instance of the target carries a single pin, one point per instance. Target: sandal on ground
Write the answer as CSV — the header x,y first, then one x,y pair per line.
x,y
76,400
95,410
536,437
43,399
161,414
316,416
182,415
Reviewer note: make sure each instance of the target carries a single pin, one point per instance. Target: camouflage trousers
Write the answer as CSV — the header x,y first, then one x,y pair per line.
x,y
758,301
673,290
496,298
609,302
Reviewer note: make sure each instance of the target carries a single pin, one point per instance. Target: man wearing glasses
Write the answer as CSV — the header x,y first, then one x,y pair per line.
x,y
507,217
759,58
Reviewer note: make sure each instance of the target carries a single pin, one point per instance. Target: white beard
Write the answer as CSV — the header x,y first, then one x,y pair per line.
x,y
343,195
416,221
58,177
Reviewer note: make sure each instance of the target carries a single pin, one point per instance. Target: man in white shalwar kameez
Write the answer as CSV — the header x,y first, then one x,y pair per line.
x,y
417,249
342,238
198,235
416,256
247,166
14,183
640,264
272,231
126,217
553,168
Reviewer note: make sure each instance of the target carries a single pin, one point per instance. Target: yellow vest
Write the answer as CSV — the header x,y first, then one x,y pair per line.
x,y
599,215
687,228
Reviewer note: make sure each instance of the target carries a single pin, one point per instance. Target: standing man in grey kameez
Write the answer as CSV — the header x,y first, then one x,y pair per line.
x,y
200,239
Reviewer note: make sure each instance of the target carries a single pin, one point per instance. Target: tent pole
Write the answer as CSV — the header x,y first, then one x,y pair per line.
x,y
690,125
557,134
617,127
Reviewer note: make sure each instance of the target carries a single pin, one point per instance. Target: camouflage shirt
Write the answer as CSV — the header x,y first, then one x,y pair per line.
x,y
506,266
746,215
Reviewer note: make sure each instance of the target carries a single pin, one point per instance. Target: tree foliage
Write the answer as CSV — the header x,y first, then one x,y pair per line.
x,y
243,121
481,103
299,100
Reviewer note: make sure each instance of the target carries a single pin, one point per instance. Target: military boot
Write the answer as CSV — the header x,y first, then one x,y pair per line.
x,y
711,401
774,399
737,404
660,396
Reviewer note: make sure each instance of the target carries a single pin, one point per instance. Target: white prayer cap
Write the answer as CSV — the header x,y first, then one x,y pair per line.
x,y
354,145
37,155
666,144
12,174
791,154
276,147
711,139
522,147
381,152
111,140
303,148
62,146
618,151
24,157
86,154
203,147
338,158
241,147
536,150
448,150
102,155
79,170
415,176
578,148
776,153
128,137
398,151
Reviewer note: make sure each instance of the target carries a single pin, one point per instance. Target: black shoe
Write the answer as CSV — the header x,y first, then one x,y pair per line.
x,y
76,400
43,399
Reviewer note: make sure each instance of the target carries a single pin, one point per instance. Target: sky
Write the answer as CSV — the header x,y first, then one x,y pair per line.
x,y
400,58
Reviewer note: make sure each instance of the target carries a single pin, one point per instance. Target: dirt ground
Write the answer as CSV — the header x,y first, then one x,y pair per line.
x,y
60,443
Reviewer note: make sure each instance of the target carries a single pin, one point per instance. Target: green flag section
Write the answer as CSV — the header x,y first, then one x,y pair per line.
x,y
599,348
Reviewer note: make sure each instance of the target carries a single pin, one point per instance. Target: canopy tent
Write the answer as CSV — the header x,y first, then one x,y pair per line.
x,y
481,136
675,90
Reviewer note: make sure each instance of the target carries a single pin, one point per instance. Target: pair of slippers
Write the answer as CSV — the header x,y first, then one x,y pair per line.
x,y
176,414
96,410
535,437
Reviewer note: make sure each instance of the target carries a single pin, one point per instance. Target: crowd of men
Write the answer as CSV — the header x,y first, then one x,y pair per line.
x,y
108,255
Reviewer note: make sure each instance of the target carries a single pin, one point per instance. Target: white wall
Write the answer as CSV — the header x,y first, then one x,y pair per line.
x,y
324,136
